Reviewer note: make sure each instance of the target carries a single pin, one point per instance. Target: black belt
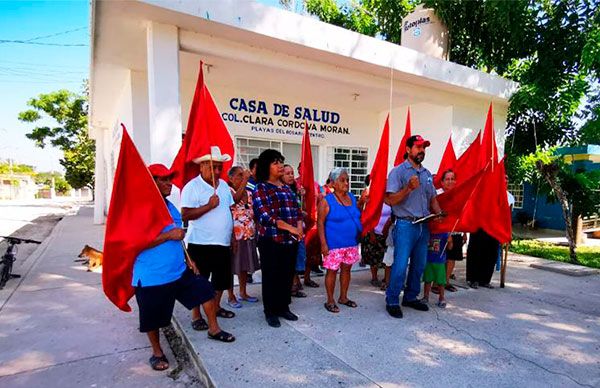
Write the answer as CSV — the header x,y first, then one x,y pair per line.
x,y
408,218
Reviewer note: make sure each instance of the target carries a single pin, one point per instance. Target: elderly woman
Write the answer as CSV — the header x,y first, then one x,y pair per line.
x,y
245,258
279,230
339,228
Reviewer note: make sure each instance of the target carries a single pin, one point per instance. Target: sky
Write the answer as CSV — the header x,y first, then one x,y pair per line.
x,y
42,65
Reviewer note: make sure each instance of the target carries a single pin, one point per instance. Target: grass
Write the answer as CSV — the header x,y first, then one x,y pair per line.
x,y
588,256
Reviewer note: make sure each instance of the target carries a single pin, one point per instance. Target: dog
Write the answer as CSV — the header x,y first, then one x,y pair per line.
x,y
91,257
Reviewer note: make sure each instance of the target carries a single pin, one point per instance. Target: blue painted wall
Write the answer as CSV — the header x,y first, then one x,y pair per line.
x,y
548,215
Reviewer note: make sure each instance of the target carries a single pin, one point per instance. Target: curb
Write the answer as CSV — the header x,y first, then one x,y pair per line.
x,y
192,356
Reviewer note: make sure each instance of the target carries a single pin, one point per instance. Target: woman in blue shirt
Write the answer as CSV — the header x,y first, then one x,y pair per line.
x,y
339,228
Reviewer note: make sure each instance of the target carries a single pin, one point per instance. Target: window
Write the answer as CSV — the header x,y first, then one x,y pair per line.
x,y
516,189
353,159
248,149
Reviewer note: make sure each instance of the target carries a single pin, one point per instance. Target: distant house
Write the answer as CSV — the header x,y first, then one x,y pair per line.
x,y
531,205
17,186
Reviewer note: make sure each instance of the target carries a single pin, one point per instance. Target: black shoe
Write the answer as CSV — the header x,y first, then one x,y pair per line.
x,y
474,285
290,316
273,321
416,304
317,270
394,311
249,278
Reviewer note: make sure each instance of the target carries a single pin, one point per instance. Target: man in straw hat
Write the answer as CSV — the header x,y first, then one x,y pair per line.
x,y
206,203
160,277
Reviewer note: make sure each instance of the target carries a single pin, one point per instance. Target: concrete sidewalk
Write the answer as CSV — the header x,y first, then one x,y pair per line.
x,y
542,330
57,329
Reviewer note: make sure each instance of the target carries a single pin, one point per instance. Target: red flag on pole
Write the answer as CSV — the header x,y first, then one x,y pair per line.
x,y
489,151
136,215
489,209
370,216
468,164
205,128
448,162
402,147
307,177
479,202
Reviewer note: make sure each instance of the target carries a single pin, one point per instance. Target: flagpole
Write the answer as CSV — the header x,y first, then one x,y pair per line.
x,y
212,172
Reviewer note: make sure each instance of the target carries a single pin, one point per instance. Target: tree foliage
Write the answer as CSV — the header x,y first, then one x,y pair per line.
x,y
551,47
69,133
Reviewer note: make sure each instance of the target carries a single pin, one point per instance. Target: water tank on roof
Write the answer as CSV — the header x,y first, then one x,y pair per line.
x,y
424,32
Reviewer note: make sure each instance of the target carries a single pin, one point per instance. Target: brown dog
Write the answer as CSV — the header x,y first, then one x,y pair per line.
x,y
92,257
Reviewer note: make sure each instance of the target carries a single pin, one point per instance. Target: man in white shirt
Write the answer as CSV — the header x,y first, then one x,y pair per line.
x,y
205,203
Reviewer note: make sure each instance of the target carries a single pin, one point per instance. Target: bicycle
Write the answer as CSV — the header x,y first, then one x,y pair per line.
x,y
10,256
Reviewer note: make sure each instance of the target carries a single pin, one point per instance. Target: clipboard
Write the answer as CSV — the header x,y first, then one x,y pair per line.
x,y
427,218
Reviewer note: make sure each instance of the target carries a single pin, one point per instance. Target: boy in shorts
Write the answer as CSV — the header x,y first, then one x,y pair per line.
x,y
435,269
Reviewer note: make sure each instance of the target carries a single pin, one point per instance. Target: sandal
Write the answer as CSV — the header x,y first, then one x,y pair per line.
x,y
298,294
311,284
251,299
487,285
332,307
451,288
199,324
349,303
375,283
234,304
222,313
155,361
441,304
383,286
222,336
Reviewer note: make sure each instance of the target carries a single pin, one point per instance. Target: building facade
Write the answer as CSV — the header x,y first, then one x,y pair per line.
x,y
269,70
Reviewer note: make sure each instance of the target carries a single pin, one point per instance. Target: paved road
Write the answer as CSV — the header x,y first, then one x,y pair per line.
x,y
57,329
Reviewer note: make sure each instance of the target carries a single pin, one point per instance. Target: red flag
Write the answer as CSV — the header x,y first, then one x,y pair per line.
x,y
370,216
136,215
489,209
402,147
205,129
454,202
479,202
489,151
448,162
307,177
468,164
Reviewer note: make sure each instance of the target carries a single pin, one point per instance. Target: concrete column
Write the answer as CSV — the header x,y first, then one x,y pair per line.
x,y
163,92
139,113
99,178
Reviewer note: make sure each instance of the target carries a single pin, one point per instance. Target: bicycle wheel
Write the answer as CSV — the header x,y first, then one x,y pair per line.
x,y
5,268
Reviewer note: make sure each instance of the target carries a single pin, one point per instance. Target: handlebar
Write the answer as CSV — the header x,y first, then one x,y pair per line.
x,y
18,240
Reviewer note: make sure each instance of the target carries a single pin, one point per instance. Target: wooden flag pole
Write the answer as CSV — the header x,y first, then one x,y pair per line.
x,y
503,264
212,173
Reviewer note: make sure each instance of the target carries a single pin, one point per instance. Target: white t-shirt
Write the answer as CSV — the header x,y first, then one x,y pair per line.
x,y
216,226
510,198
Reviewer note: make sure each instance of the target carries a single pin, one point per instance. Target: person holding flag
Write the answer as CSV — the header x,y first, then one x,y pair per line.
x,y
411,195
206,203
160,277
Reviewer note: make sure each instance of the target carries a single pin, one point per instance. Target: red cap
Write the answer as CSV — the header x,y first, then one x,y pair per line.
x,y
159,170
417,140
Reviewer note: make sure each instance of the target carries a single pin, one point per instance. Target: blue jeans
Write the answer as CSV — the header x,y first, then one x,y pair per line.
x,y
301,257
410,241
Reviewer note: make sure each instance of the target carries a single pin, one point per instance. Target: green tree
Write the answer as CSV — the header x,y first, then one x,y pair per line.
x,y
69,132
60,183
7,167
577,191
551,47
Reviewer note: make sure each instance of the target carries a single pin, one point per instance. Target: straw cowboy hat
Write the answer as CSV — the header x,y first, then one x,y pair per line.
x,y
215,155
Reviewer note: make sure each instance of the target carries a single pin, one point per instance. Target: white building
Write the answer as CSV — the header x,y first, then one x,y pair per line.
x,y
267,68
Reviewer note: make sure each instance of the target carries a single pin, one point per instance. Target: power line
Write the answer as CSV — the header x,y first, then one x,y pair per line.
x,y
44,43
56,34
